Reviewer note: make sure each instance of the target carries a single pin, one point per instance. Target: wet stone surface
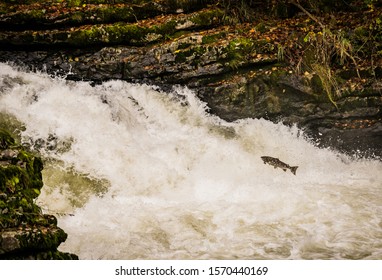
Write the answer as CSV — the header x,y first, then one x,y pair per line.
x,y
25,232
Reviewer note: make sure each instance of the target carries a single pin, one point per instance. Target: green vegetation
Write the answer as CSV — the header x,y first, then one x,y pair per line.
x,y
115,33
236,52
326,50
20,183
29,233
328,82
213,38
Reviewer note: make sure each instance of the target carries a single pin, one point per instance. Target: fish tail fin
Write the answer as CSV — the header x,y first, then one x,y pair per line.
x,y
293,169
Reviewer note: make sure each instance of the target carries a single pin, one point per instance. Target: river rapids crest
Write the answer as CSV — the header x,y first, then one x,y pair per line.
x,y
133,172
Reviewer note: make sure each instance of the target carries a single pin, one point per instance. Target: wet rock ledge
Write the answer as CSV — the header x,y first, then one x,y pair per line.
x,y
318,70
25,233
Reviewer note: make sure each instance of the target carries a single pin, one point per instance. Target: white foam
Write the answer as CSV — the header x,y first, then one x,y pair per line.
x,y
184,184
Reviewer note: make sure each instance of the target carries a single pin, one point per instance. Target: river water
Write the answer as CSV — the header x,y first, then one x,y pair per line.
x,y
132,172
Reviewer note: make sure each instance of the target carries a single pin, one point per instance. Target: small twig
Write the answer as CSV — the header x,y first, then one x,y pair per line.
x,y
307,13
323,28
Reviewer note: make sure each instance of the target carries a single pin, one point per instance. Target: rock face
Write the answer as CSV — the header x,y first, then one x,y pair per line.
x,y
25,233
240,70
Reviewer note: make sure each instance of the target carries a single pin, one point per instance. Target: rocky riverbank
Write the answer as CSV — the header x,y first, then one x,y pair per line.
x,y
321,73
25,233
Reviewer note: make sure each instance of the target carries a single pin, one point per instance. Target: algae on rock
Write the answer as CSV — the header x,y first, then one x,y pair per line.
x,y
25,232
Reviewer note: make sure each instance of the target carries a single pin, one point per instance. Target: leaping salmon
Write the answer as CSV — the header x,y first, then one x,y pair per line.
x,y
275,162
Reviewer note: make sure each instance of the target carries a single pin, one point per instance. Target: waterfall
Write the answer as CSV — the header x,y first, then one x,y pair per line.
x,y
133,172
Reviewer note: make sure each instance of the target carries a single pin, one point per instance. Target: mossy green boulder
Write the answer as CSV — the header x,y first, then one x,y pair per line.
x,y
25,232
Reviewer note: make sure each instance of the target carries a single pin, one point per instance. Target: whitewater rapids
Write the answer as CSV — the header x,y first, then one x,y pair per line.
x,y
133,172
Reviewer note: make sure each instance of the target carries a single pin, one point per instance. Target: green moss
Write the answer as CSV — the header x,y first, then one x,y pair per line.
x,y
236,52
76,12
125,33
37,14
83,37
361,31
113,34
6,140
41,238
166,28
77,17
208,17
121,32
192,54
209,39
30,234
108,14
261,27
74,3
20,183
3,205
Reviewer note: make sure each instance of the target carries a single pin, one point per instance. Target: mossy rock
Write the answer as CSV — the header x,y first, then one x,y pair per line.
x,y
112,34
25,233
6,140
31,242
45,14
20,183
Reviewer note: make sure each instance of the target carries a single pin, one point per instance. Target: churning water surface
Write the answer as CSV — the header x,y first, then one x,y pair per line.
x,y
136,173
